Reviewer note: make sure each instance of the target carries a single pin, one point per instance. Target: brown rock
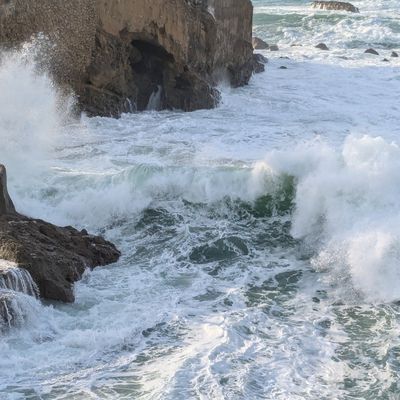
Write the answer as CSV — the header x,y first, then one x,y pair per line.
x,y
55,257
6,204
259,44
336,6
114,53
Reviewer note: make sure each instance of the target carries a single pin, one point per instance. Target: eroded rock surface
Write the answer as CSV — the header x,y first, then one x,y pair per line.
x,y
336,6
116,54
55,257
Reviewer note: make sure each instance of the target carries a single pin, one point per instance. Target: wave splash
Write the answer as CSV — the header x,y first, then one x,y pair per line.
x,y
348,211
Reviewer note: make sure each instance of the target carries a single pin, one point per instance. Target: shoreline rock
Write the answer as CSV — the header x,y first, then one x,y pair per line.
x,y
259,44
55,257
116,54
335,6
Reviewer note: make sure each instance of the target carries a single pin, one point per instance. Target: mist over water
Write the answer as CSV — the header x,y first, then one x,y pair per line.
x,y
260,240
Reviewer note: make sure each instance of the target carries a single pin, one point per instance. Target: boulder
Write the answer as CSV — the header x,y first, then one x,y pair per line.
x,y
371,51
259,44
114,53
394,54
335,5
322,46
385,60
55,257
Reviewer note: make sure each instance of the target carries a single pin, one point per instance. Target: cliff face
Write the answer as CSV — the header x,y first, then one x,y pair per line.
x,y
130,54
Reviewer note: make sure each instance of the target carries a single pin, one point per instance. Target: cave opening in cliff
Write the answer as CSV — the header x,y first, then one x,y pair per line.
x,y
151,72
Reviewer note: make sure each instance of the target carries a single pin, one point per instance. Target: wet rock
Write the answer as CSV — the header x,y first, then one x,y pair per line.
x,y
282,67
6,204
322,46
273,47
394,54
259,44
114,53
371,51
385,60
335,6
259,62
55,257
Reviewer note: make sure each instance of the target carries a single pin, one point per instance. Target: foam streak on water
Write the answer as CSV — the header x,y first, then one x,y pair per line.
x,y
260,240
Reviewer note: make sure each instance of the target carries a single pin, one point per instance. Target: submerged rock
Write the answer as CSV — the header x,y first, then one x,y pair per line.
x,y
259,44
322,46
55,257
336,6
273,47
371,51
114,53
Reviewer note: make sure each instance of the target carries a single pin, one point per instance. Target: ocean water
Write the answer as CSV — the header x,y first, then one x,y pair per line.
x,y
260,240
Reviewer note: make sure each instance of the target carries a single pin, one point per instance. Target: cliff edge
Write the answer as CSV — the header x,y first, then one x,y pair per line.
x,y
128,55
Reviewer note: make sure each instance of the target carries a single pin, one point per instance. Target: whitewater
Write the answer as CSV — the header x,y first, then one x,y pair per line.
x,y
260,240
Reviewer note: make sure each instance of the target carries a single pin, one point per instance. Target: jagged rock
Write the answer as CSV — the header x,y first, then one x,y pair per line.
x,y
273,47
371,51
394,54
6,204
115,53
55,257
336,6
322,46
259,44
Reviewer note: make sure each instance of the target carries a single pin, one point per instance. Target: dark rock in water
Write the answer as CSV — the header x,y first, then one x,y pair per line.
x,y
284,58
113,53
259,44
296,45
55,257
371,51
335,6
394,54
282,67
385,60
259,62
322,46
273,47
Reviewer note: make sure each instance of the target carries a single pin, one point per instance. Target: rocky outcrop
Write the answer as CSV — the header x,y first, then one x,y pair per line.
x,y
322,46
116,53
371,51
55,257
259,44
336,6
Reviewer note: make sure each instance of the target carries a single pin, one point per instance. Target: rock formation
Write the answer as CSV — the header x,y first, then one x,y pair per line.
x,y
116,54
322,46
55,257
259,44
371,51
335,5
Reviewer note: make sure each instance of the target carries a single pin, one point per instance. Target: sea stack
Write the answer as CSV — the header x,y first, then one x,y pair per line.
x,y
55,257
115,54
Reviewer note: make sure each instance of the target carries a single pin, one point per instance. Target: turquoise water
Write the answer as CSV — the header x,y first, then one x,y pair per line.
x,y
260,240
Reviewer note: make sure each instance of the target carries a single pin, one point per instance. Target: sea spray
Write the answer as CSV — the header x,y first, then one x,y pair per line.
x,y
347,210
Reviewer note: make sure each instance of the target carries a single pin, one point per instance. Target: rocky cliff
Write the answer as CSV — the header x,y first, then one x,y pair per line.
x,y
55,257
128,54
